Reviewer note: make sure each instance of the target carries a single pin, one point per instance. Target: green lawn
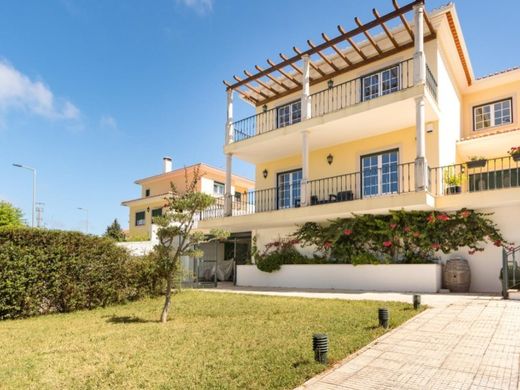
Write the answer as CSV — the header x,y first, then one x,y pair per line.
x,y
213,341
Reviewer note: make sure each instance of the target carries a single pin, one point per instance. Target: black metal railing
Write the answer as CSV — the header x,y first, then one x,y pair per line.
x,y
332,99
431,83
475,176
510,270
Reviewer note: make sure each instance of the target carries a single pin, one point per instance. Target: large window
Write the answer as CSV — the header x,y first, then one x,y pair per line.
x,y
218,188
140,218
492,114
380,173
289,188
289,114
381,83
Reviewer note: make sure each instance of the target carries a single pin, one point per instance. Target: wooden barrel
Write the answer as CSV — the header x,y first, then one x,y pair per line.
x,y
457,275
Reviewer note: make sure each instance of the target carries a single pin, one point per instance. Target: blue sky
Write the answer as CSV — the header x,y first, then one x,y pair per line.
x,y
93,93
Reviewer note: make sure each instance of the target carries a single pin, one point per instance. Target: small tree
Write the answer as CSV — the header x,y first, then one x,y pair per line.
x,y
175,233
115,232
10,216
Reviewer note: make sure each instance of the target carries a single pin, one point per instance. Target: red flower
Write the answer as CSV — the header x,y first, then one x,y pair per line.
x,y
387,244
407,229
393,225
443,217
327,245
347,232
430,218
416,234
436,245
497,243
465,214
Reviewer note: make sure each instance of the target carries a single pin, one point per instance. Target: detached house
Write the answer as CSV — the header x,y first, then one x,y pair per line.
x,y
373,119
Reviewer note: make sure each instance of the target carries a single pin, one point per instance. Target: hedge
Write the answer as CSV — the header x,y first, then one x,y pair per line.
x,y
49,271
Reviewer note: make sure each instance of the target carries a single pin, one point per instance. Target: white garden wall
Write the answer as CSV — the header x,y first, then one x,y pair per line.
x,y
385,277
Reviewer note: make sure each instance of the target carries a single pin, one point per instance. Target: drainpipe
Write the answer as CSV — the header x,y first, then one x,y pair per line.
x,y
229,138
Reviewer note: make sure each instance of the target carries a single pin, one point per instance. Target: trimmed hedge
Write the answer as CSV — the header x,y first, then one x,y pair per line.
x,y
48,271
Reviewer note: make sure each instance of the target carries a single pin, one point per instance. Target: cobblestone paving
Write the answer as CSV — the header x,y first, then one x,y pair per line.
x,y
470,344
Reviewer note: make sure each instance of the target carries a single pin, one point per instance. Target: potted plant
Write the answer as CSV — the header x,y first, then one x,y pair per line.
x,y
515,153
476,162
453,181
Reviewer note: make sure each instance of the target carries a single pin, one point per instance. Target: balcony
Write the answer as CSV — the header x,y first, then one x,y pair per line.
x,y
350,189
335,98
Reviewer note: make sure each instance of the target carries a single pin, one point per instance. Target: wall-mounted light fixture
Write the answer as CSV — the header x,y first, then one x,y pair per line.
x,y
265,173
330,158
264,107
330,83
148,209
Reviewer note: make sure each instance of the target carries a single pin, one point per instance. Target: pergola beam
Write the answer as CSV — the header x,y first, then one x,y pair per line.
x,y
283,73
245,95
385,29
292,64
254,89
313,66
269,88
344,36
367,34
352,43
338,52
324,58
403,20
273,79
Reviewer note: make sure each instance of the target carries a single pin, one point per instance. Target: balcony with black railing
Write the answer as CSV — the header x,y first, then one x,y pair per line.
x,y
334,98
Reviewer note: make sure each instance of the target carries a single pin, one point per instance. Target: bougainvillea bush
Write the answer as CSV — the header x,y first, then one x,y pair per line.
x,y
400,236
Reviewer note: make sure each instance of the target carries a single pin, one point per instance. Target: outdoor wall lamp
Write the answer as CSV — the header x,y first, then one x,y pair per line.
x,y
330,83
330,158
264,107
265,173
148,209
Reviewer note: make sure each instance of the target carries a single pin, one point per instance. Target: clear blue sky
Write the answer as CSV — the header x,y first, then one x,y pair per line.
x,y
93,93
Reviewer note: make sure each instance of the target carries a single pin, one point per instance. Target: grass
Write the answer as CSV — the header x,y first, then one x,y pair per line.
x,y
213,341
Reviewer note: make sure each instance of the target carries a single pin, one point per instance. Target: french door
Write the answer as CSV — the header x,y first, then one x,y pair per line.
x,y
380,173
289,189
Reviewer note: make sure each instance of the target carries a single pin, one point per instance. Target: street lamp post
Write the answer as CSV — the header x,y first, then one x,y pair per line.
x,y
33,189
86,221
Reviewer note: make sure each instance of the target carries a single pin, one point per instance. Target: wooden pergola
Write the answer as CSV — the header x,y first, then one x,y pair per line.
x,y
285,77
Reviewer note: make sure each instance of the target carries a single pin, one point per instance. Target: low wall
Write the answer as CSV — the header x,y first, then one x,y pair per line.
x,y
385,277
138,248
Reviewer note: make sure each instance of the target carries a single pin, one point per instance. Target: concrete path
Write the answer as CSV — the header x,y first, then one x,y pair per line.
x,y
470,344
463,341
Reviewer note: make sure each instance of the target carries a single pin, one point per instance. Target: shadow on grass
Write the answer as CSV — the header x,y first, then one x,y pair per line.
x,y
127,320
302,362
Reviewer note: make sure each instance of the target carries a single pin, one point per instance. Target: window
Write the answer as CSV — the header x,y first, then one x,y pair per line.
x,y
492,114
289,114
379,173
140,218
381,83
289,189
218,188
494,180
147,192
156,213
238,196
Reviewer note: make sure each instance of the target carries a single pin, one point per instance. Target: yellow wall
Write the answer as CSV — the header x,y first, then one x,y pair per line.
x,y
346,156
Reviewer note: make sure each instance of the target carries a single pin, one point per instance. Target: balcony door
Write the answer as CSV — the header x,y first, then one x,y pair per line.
x,y
380,173
289,188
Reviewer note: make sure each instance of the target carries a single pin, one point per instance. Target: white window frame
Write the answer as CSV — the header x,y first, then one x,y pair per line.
x,y
492,118
290,187
379,75
292,111
216,188
379,174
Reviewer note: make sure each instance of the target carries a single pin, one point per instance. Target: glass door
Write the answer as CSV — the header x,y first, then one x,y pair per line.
x,y
380,173
289,187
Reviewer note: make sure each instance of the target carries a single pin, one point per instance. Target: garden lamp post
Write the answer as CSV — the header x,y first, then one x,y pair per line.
x,y
86,221
33,189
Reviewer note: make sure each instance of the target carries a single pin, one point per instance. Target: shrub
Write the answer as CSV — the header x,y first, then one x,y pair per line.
x,y
281,252
46,271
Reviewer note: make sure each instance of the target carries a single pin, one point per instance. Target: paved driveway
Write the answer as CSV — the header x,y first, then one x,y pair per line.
x,y
467,344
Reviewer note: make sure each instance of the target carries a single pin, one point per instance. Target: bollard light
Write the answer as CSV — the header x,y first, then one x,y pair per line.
x,y
320,346
416,301
383,317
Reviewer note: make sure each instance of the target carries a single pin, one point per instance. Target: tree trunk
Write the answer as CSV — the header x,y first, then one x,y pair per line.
x,y
168,298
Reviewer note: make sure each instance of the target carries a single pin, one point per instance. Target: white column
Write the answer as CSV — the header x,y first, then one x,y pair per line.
x,y
419,64
306,94
230,131
421,166
228,196
304,191
229,138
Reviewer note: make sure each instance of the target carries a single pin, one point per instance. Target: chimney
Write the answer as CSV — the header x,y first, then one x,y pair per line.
x,y
167,164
